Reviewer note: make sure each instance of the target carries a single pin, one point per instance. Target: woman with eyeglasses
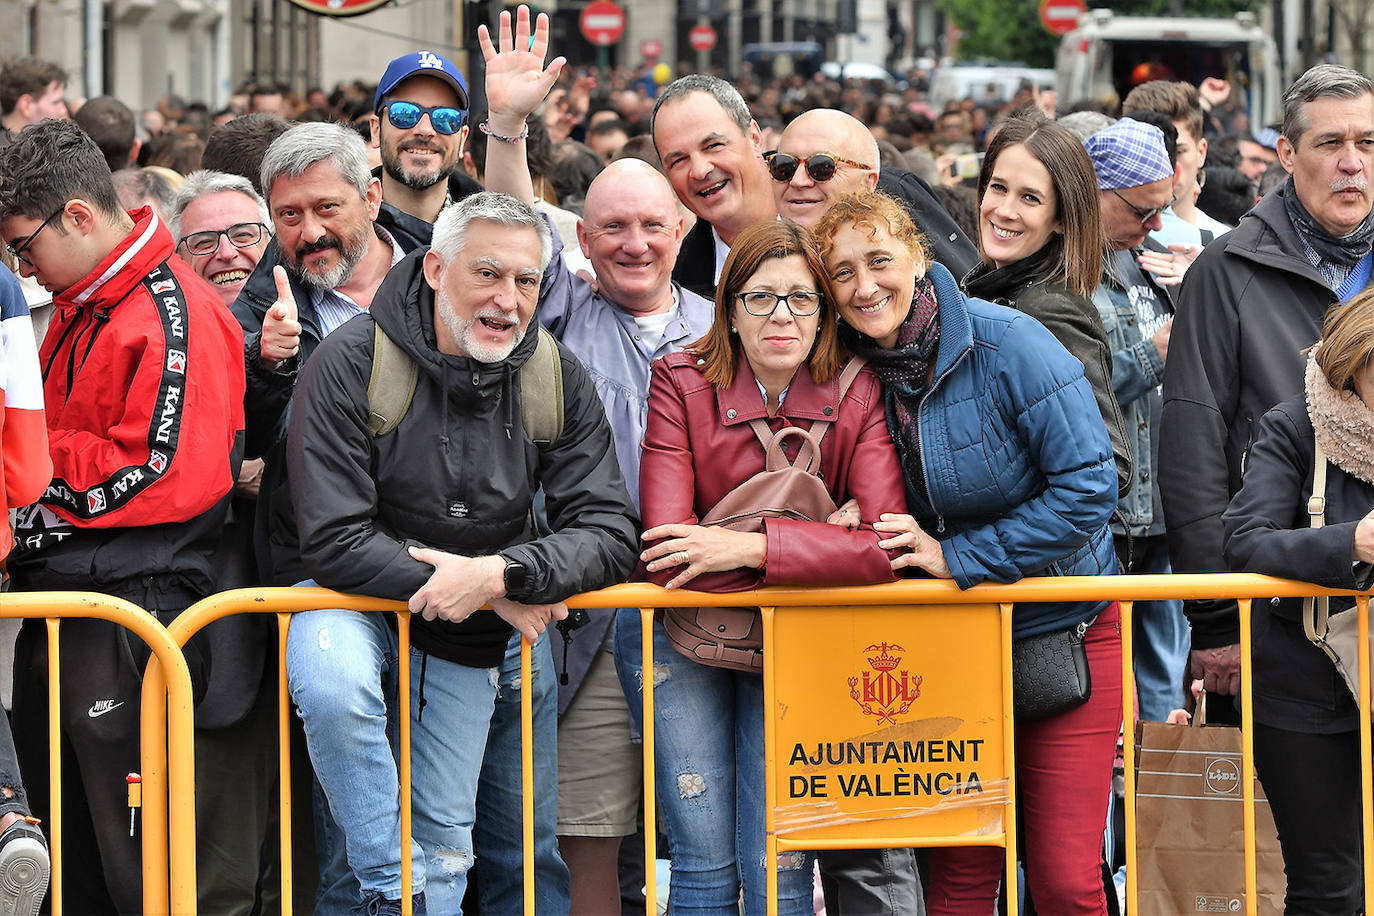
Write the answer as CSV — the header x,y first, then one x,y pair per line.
x,y
771,360
1008,474
1042,247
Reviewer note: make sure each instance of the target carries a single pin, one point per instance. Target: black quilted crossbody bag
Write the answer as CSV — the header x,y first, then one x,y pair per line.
x,y
1049,673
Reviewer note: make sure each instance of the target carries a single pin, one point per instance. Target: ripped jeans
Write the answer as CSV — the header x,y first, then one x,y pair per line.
x,y
708,734
342,672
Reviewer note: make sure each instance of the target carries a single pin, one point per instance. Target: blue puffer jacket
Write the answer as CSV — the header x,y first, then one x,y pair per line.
x,y
1016,470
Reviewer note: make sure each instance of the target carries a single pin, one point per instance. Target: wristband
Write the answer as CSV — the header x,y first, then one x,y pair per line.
x,y
485,127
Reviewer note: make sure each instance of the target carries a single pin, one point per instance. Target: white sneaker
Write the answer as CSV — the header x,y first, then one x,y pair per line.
x,y
24,869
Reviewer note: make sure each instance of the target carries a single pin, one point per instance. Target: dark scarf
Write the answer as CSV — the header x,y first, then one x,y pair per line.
x,y
903,368
1343,253
1004,285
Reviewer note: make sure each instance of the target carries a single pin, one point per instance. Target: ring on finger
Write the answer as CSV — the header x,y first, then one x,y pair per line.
x,y
683,558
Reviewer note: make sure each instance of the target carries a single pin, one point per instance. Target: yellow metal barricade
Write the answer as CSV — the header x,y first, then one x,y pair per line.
x,y
174,710
895,605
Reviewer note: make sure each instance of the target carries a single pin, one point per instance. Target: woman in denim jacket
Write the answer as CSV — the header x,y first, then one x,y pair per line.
x,y
1009,473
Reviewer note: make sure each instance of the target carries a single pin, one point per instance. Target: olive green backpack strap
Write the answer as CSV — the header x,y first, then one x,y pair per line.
x,y
394,375
392,385
541,392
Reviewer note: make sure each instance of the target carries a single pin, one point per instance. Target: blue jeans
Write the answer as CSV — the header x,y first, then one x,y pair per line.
x,y
1160,633
708,732
465,750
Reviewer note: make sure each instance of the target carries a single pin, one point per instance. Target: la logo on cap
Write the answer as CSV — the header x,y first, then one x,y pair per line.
x,y
431,60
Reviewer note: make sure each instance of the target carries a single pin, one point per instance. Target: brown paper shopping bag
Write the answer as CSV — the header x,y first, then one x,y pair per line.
x,y
1190,828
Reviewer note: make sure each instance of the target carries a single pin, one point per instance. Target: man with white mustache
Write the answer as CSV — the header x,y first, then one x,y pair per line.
x,y
1249,308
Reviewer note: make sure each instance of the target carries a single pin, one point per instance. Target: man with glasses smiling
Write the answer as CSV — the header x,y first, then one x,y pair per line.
x,y
222,228
143,384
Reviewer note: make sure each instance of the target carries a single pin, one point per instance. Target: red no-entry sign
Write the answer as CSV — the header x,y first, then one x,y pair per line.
x,y
602,22
702,37
1060,16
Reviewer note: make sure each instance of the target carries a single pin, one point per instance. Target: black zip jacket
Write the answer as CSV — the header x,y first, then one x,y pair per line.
x,y
458,474
1249,306
1074,322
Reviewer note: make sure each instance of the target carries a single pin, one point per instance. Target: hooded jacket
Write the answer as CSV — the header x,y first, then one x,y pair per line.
x,y
142,384
458,474
1250,305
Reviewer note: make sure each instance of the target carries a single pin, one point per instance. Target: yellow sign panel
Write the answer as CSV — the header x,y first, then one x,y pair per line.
x,y
889,722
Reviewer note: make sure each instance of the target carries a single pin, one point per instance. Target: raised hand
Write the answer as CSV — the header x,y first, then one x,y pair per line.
x,y
281,329
517,80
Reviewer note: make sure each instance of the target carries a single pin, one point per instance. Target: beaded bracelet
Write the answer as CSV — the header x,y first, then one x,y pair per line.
x,y
485,127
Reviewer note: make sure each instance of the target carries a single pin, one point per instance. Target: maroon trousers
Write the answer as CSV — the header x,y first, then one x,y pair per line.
x,y
1063,782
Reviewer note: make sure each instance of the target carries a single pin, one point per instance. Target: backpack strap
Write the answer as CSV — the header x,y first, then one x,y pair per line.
x,y
847,376
391,386
1316,611
541,392
819,426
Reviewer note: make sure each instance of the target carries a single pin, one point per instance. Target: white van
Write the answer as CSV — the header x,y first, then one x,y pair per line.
x,y
1100,57
962,81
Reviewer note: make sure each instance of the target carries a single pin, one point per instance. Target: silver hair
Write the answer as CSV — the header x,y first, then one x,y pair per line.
x,y
1083,124
451,229
208,181
1324,81
320,141
725,94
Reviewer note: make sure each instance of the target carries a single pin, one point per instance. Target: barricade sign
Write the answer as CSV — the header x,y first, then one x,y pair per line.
x,y
889,726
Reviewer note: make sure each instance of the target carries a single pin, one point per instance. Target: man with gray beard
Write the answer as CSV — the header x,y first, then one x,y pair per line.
x,y
436,511
322,268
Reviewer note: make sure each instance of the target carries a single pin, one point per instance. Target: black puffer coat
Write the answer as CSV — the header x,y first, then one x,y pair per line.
x,y
458,474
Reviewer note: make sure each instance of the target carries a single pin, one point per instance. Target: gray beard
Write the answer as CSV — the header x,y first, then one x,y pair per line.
x,y
351,254
461,329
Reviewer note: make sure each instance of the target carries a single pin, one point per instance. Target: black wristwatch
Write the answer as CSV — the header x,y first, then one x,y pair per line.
x,y
517,577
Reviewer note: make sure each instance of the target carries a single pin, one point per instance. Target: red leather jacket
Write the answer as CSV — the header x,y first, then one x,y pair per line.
x,y
698,446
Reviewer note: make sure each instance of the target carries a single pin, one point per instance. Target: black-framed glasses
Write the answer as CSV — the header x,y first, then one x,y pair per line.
x,y
820,166
20,250
1145,215
761,303
240,235
405,115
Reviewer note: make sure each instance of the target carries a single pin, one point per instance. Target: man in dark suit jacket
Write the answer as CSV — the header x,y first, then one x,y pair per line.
x,y
712,152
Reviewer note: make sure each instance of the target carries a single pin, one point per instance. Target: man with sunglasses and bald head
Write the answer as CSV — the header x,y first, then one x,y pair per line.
x,y
825,153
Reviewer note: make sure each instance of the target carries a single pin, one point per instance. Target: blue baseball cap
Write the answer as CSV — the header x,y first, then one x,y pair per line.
x,y
1128,154
421,63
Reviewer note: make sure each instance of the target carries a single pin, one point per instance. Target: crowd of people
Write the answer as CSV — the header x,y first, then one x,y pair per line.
x,y
393,343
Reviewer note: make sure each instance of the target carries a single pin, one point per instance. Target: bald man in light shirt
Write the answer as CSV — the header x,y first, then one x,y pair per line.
x,y
822,132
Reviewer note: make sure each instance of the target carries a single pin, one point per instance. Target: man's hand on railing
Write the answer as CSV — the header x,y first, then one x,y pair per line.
x,y
1218,668
530,619
458,586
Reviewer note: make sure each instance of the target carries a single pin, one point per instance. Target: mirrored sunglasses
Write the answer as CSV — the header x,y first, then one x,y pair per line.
x,y
405,115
